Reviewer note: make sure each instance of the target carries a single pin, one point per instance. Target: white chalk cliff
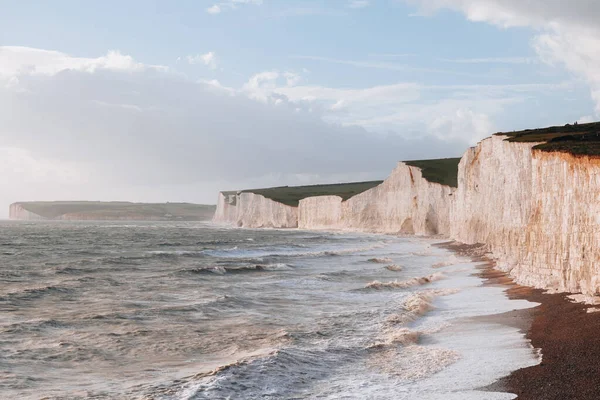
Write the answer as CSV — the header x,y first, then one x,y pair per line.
x,y
537,212
404,203
249,210
17,211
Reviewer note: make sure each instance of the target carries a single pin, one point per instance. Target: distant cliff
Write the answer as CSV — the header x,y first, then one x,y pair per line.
x,y
533,197
94,210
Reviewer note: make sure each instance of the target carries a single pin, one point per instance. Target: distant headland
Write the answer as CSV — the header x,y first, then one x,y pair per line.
x,y
109,211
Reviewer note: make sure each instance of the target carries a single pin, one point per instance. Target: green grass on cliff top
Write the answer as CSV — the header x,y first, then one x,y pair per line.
x,y
443,171
291,195
117,209
580,139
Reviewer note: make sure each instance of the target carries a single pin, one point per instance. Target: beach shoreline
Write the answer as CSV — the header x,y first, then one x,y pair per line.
x,y
562,330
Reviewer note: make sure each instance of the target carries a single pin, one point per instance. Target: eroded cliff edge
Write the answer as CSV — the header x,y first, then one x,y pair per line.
x,y
532,197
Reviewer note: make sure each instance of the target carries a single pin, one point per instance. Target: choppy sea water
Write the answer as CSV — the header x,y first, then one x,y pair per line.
x,y
195,311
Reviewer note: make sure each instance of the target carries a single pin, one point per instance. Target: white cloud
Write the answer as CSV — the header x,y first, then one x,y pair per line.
x,y
462,121
141,133
568,31
16,60
404,107
217,8
358,3
292,79
209,59
214,9
586,119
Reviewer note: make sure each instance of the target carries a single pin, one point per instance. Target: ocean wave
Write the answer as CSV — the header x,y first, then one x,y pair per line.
x,y
451,260
290,251
30,293
418,304
327,276
284,373
175,253
33,326
220,270
405,284
381,260
74,270
394,267
402,336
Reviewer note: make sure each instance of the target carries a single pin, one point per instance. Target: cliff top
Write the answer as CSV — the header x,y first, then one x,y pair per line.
x,y
116,209
291,195
576,139
443,171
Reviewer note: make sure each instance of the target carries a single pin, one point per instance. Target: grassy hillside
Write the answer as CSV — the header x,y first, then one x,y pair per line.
x,y
443,171
580,139
291,195
121,210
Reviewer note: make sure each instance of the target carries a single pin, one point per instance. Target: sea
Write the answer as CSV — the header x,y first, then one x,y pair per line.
x,y
146,310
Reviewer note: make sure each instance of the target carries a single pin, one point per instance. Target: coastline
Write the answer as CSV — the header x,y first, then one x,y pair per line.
x,y
564,332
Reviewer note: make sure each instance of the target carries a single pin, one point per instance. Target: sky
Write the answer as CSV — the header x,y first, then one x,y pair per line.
x,y
147,100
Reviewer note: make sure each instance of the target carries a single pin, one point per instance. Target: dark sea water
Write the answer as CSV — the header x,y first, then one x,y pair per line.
x,y
195,311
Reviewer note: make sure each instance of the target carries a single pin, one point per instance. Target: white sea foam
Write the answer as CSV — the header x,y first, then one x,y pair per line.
x,y
416,362
451,260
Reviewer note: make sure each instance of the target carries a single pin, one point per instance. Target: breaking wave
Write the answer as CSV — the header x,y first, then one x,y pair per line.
x,y
405,284
402,336
394,267
418,304
220,270
292,251
451,260
381,260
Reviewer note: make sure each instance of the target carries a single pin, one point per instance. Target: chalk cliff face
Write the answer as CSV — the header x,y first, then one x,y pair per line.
x,y
563,236
404,203
322,212
17,211
251,210
537,212
494,198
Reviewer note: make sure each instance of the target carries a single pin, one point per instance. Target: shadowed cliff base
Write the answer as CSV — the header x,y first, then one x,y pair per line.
x,y
565,331
576,139
117,210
